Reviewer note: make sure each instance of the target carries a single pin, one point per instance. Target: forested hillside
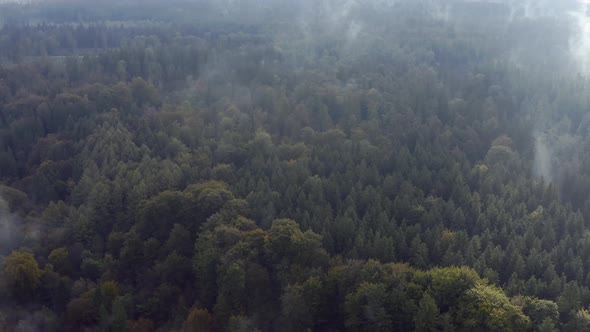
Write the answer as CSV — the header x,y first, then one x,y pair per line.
x,y
315,166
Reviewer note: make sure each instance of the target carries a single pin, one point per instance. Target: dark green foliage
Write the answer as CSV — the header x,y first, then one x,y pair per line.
x,y
238,175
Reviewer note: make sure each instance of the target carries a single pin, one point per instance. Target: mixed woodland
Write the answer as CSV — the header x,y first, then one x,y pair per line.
x,y
171,170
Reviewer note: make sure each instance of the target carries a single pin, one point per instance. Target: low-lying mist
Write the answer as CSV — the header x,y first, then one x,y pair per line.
x,y
10,228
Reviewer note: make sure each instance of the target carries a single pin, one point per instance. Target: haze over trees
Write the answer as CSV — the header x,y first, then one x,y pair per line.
x,y
281,165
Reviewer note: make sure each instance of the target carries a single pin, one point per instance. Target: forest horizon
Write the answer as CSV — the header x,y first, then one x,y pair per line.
x,y
282,165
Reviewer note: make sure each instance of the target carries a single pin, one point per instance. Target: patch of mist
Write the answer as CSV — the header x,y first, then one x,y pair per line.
x,y
580,39
543,162
443,12
23,319
14,231
10,228
557,152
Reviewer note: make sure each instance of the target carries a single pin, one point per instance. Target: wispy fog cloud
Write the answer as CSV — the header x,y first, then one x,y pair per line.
x,y
543,167
11,230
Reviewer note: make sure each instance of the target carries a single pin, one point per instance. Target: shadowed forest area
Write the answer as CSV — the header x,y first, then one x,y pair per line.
x,y
281,165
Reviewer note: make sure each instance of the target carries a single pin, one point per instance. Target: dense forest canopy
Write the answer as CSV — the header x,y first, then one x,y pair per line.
x,y
282,165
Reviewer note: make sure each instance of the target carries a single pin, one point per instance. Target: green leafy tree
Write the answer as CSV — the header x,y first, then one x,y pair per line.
x,y
367,308
547,325
428,315
22,274
144,93
487,307
119,317
59,258
579,321
241,324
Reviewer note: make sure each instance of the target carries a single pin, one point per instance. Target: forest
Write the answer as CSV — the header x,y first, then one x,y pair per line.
x,y
282,165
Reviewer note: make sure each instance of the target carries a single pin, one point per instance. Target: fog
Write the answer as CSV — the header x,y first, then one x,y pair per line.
x,y
561,27
435,133
580,39
11,229
544,40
